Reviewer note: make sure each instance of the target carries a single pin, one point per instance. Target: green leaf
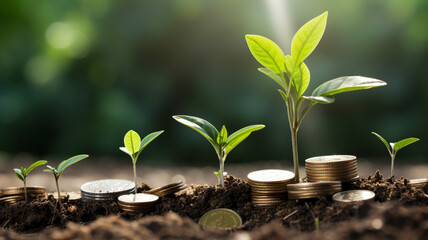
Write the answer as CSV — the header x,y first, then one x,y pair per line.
x,y
301,79
307,38
266,52
50,169
405,142
277,78
66,163
384,141
34,165
320,99
132,141
19,174
148,139
202,126
123,149
222,137
346,84
239,136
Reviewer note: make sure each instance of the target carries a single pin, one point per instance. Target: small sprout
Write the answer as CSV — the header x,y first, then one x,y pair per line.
x,y
293,76
61,167
394,147
134,146
23,172
219,140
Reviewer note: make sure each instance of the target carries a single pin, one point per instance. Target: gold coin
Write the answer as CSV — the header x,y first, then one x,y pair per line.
x,y
296,186
332,173
332,177
20,190
221,218
331,159
353,163
331,169
169,191
172,185
353,196
344,180
270,175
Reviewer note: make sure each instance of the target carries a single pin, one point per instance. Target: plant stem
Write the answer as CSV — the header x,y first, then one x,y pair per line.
x,y
25,189
135,177
57,188
295,154
392,165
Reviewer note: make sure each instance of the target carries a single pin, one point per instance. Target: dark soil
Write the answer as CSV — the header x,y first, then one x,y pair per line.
x,y
398,210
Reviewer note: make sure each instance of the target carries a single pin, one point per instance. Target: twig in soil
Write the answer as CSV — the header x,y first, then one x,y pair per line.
x,y
5,224
289,215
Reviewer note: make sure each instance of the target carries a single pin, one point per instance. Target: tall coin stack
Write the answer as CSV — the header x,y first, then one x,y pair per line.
x,y
106,189
269,187
332,168
12,195
313,189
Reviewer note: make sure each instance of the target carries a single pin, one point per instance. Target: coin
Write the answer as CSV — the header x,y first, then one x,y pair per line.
x,y
345,180
271,175
331,159
20,190
313,189
138,199
419,182
72,196
221,218
106,189
353,196
168,189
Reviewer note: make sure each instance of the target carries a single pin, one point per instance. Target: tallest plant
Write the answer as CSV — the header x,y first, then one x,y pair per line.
x,y
293,76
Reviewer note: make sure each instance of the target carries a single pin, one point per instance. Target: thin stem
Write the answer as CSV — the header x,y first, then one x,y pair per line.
x,y
135,176
221,176
25,189
57,188
392,164
295,154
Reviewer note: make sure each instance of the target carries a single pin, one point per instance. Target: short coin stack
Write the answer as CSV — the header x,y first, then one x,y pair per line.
x,y
106,189
353,196
168,189
332,168
313,189
12,195
137,203
269,187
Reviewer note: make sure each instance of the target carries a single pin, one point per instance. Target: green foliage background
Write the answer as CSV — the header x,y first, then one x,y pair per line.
x,y
75,76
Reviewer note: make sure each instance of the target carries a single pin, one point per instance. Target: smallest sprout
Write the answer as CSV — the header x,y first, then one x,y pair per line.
x,y
394,147
61,167
23,172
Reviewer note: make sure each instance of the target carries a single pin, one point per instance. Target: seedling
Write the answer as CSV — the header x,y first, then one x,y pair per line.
x,y
23,172
293,76
134,146
219,140
394,147
61,167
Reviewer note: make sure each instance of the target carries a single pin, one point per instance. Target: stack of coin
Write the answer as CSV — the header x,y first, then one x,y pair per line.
x,y
106,189
71,196
12,195
353,196
419,182
332,168
167,189
313,189
269,187
137,203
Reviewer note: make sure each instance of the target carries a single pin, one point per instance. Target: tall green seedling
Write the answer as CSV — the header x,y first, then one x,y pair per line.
x,y
61,167
22,173
394,147
221,142
293,76
134,146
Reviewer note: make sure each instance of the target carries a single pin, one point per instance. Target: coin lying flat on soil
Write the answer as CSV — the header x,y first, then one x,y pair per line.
x,y
222,218
353,196
106,189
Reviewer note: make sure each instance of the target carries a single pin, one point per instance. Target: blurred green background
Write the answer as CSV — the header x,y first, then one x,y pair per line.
x,y
75,76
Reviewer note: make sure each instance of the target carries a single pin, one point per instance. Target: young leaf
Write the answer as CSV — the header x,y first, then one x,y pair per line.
x,y
34,165
301,79
346,84
148,139
405,142
239,136
202,126
123,149
266,52
384,141
66,163
307,38
19,174
222,136
132,141
273,76
320,99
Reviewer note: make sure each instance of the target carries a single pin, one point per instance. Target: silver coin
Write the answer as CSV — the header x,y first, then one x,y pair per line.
x,y
271,175
353,196
138,198
107,186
